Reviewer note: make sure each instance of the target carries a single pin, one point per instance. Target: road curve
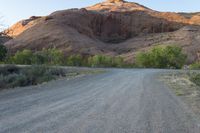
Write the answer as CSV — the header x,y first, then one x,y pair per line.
x,y
119,101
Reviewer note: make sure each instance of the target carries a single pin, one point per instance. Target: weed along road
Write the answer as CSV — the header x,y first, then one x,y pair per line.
x,y
118,101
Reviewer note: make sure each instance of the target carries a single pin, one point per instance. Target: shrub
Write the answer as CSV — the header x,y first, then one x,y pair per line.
x,y
56,57
12,80
175,57
143,60
53,56
36,74
98,61
2,83
105,61
46,56
195,78
23,57
3,52
161,57
39,58
195,65
19,80
93,61
57,72
9,69
12,76
118,62
75,60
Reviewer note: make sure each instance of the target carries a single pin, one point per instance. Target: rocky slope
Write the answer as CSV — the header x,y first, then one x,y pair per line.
x,y
21,26
4,39
113,27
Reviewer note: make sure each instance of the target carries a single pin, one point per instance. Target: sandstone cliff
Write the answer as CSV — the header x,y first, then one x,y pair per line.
x,y
114,27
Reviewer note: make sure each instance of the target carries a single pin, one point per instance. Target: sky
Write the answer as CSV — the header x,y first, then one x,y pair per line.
x,y
15,10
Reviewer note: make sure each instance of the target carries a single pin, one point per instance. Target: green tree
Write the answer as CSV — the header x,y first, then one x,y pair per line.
x,y
46,56
55,56
23,57
175,57
118,62
162,57
105,61
75,60
50,56
39,58
95,61
143,59
3,52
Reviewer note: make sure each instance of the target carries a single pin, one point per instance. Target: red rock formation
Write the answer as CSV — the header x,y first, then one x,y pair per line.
x,y
21,26
106,28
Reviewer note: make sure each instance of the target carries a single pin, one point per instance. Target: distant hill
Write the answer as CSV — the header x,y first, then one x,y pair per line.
x,y
113,27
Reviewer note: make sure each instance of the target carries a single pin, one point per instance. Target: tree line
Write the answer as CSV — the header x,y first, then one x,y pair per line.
x,y
156,57
57,57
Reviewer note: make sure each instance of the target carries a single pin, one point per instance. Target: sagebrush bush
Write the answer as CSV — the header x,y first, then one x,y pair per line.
x,y
13,76
58,72
37,74
196,79
9,69
2,83
20,80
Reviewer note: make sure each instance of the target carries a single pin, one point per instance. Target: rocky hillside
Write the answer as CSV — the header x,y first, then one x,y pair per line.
x,y
4,38
113,27
21,26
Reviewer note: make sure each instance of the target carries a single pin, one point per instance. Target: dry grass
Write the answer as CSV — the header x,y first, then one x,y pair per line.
x,y
182,86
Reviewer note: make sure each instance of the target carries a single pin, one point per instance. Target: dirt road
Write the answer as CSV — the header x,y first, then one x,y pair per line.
x,y
118,101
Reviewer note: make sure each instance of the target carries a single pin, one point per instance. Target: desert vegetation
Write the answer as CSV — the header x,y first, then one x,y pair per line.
x,y
14,76
195,78
56,57
195,66
105,61
157,57
3,52
27,57
162,57
186,85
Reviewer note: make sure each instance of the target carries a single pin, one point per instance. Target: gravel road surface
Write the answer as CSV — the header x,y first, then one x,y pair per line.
x,y
118,101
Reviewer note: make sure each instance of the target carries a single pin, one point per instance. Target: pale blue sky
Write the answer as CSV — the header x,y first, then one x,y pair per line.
x,y
15,10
